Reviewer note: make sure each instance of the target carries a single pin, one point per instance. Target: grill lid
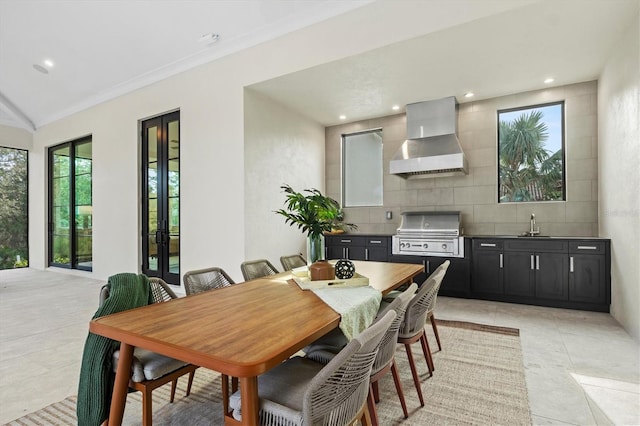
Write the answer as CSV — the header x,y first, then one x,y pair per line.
x,y
430,223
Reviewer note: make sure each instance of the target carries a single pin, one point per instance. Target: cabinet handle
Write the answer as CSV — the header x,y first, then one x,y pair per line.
x,y
501,261
571,264
587,248
428,266
538,262
532,265
487,245
345,241
347,249
375,242
366,254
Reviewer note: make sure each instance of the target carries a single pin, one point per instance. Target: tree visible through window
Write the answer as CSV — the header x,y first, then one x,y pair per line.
x,y
14,214
531,154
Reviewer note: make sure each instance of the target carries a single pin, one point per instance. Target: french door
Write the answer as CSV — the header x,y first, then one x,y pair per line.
x,y
161,197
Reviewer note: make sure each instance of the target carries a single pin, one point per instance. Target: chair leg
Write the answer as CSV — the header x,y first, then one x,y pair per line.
x,y
435,331
225,394
147,411
371,407
426,350
234,384
365,419
396,380
376,391
174,384
191,376
414,373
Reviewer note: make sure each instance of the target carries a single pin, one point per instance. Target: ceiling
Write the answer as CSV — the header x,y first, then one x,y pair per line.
x,y
105,49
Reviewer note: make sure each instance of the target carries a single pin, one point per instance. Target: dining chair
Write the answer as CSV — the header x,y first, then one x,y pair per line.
x,y
292,261
252,269
432,306
301,391
385,359
412,329
205,279
150,370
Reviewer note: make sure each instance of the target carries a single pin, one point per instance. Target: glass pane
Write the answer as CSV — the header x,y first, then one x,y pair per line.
x,y
362,169
14,215
173,192
531,154
152,198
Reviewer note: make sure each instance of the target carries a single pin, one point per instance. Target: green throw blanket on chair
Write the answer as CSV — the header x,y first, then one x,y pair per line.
x,y
126,291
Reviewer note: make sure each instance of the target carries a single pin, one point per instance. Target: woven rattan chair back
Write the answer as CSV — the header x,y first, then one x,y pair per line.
x,y
338,392
415,316
292,261
205,279
160,291
252,269
388,344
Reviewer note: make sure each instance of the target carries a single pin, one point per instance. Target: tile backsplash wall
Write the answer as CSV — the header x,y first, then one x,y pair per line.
x,y
475,194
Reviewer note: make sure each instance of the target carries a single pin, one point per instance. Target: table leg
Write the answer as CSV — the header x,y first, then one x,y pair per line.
x,y
250,401
121,385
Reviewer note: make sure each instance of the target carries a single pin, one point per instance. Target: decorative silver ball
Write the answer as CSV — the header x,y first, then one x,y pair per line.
x,y
345,269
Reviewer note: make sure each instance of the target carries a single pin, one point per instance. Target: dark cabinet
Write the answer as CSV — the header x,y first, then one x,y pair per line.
x,y
536,268
456,282
589,281
357,247
488,263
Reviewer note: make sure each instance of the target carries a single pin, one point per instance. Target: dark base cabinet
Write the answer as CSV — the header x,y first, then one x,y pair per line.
x,y
457,281
556,272
358,247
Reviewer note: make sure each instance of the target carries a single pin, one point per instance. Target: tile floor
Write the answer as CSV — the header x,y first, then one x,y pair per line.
x,y
581,367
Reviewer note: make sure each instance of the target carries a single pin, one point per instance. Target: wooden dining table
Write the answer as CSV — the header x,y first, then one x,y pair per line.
x,y
241,331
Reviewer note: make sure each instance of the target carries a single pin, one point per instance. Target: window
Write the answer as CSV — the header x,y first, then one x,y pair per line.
x,y
71,205
14,209
531,154
362,169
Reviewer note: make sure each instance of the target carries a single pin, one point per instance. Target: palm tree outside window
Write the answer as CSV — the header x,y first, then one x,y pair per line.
x,y
531,154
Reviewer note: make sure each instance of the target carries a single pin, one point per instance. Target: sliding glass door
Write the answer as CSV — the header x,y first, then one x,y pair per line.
x,y
71,205
161,197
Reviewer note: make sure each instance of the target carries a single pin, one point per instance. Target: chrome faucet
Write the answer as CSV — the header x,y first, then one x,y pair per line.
x,y
532,226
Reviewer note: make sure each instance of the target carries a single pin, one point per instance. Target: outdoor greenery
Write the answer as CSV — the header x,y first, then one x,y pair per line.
x,y
528,171
14,217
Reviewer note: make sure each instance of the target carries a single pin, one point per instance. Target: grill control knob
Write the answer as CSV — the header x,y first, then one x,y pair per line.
x,y
444,247
425,245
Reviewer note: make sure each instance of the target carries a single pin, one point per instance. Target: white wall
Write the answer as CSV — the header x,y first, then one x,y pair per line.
x,y
281,147
211,102
13,137
619,189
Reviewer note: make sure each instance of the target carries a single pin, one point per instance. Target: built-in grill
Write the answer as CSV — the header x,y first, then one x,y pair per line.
x,y
429,234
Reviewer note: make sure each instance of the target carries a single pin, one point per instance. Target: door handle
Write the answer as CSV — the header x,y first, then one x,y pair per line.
x,y
571,264
347,249
537,262
366,254
501,261
159,239
487,245
532,265
428,267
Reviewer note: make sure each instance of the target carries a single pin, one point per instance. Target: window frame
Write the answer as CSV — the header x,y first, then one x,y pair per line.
x,y
561,104
343,163
73,246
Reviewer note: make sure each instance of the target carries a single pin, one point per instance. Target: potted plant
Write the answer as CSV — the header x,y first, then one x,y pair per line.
x,y
314,214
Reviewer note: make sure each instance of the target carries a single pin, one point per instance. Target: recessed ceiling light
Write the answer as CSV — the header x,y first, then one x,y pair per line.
x,y
468,95
40,68
343,117
209,38
549,80
48,63
395,107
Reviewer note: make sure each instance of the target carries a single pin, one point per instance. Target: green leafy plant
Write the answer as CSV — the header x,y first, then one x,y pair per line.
x,y
312,212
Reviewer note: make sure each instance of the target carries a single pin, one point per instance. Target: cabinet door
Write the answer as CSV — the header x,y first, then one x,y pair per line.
x,y
487,272
457,280
587,278
422,276
355,253
518,273
377,254
334,252
551,276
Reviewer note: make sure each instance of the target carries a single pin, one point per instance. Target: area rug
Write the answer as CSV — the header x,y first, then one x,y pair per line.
x,y
479,380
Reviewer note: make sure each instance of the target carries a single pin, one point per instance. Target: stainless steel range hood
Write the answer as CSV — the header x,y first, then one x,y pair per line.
x,y
432,148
